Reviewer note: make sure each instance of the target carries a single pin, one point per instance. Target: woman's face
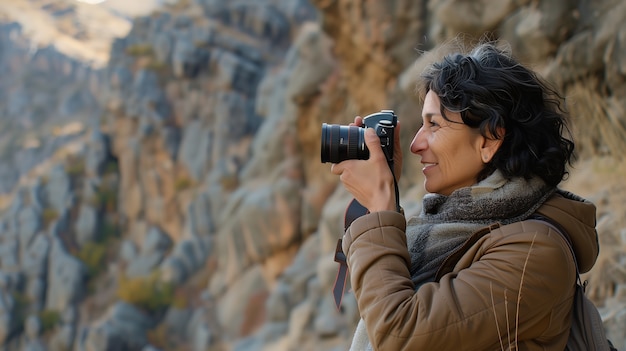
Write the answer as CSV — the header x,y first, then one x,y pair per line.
x,y
452,153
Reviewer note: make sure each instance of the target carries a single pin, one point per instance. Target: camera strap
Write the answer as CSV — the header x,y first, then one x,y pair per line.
x,y
353,211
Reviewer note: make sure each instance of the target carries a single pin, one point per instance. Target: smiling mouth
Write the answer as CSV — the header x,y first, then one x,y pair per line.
x,y
428,165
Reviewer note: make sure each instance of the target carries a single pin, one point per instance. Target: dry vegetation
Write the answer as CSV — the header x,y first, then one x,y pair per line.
x,y
600,134
600,179
596,121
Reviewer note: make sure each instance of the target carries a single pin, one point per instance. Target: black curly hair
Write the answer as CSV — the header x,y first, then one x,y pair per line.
x,y
495,93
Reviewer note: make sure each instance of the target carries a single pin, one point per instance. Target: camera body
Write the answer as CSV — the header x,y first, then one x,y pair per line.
x,y
340,143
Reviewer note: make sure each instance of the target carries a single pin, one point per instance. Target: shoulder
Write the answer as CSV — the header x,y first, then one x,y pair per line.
x,y
536,245
526,228
577,217
530,232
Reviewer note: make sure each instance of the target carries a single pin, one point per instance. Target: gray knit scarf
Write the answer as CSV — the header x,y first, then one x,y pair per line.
x,y
445,222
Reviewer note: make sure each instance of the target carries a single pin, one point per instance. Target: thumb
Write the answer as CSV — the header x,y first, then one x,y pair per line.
x,y
373,143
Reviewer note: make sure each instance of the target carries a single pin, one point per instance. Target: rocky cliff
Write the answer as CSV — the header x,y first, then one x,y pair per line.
x,y
182,205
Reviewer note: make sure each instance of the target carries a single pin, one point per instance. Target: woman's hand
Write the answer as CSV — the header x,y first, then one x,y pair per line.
x,y
397,149
370,181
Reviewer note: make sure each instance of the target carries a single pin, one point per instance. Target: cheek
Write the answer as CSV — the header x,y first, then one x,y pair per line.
x,y
457,155
446,148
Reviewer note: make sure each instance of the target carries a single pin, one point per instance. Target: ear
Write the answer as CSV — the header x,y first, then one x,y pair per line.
x,y
491,145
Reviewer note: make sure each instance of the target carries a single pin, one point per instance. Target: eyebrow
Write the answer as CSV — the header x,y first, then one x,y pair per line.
x,y
431,114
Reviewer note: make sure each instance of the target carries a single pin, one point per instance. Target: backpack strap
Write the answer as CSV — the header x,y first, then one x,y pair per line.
x,y
557,228
587,330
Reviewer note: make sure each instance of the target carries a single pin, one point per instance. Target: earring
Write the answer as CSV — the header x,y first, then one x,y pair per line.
x,y
485,158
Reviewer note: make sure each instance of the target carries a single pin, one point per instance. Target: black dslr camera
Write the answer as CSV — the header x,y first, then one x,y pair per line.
x,y
340,143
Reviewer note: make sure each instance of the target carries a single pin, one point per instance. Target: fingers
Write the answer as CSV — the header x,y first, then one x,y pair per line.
x,y
358,121
336,168
373,143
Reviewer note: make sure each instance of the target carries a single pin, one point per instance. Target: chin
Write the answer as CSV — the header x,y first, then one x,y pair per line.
x,y
429,189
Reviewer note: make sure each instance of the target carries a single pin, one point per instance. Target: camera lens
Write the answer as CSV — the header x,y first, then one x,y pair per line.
x,y
340,143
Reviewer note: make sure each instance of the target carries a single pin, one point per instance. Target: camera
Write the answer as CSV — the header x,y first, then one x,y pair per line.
x,y
340,143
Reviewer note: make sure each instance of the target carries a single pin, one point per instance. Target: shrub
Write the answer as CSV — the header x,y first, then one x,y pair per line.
x,y
49,215
158,337
93,255
140,50
49,319
21,303
182,184
229,182
110,230
106,198
148,293
157,66
111,167
180,300
75,167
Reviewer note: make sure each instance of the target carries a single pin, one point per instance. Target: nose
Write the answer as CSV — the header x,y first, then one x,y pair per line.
x,y
419,143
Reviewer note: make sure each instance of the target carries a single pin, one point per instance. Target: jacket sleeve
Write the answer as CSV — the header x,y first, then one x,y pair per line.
x,y
476,308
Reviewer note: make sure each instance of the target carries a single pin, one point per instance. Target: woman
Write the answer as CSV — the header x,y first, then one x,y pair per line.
x,y
476,270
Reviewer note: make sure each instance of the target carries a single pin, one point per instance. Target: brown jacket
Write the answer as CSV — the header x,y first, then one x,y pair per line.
x,y
476,303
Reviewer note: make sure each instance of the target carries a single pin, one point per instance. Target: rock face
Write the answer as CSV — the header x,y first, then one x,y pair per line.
x,y
186,206
36,122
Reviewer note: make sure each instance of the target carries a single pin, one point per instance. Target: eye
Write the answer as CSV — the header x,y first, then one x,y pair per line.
x,y
431,123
